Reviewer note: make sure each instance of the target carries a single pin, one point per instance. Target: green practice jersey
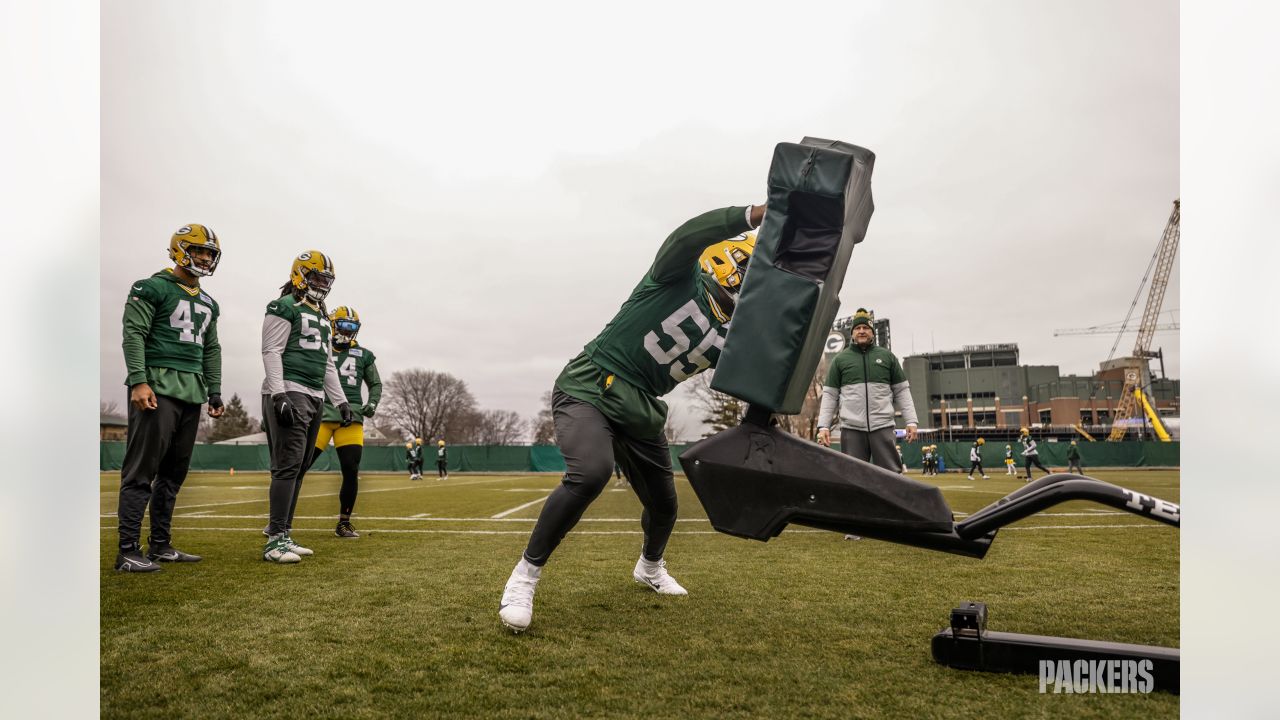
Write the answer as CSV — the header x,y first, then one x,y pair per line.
x,y
355,366
307,350
666,332
171,338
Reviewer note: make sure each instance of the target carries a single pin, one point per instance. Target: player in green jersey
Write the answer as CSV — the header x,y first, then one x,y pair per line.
x,y
174,364
356,366
605,402
298,360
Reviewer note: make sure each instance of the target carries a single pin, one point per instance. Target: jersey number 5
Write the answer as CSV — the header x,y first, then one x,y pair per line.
x,y
696,361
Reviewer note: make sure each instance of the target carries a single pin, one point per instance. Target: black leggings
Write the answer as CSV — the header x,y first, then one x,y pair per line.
x,y
349,461
590,445
1034,460
977,465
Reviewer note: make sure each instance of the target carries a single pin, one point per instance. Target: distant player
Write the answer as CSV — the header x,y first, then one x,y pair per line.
x,y
926,460
413,458
1073,458
298,362
1009,464
1029,453
174,364
356,367
605,402
442,460
975,459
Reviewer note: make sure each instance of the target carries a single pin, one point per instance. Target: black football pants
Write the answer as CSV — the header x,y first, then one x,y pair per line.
x,y
590,445
349,462
290,455
156,457
1034,460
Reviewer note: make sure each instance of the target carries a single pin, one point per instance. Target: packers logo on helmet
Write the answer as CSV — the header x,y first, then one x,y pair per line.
x,y
344,322
312,273
726,262
195,247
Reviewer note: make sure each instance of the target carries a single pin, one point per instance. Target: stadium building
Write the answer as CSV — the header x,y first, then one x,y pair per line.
x,y
984,388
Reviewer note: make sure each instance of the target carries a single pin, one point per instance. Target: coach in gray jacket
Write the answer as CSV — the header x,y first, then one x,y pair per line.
x,y
867,385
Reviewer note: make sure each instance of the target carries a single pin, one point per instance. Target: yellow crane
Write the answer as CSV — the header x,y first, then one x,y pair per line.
x,y
1133,401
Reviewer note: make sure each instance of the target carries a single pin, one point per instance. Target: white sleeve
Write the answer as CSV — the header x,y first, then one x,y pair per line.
x,y
902,401
275,335
830,400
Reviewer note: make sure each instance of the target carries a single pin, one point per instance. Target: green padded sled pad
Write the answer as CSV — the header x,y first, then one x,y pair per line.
x,y
819,208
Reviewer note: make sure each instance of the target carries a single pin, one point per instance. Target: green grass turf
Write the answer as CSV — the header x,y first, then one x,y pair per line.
x,y
403,621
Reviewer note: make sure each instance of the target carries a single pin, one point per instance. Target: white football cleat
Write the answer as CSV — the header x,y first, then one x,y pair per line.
x,y
295,548
277,552
655,575
516,608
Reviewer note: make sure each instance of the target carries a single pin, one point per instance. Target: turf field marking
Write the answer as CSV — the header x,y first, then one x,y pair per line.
x,y
422,515
425,531
334,494
518,508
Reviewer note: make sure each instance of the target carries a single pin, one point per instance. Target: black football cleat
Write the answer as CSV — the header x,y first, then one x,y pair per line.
x,y
344,530
133,561
168,553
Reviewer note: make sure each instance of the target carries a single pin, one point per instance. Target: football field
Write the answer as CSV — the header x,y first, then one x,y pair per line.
x,y
402,622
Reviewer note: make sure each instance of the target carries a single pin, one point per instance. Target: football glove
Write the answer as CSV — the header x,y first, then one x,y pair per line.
x,y
283,409
215,401
368,409
347,416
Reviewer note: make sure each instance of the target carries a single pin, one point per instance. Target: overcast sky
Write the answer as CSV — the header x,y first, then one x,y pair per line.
x,y
491,180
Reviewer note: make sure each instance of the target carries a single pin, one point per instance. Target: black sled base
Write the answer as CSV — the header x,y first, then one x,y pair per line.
x,y
968,645
754,480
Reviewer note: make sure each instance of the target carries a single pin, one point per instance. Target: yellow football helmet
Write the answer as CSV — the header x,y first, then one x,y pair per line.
x,y
440,443
312,272
417,441
981,441
727,261
192,236
408,446
1024,431
344,323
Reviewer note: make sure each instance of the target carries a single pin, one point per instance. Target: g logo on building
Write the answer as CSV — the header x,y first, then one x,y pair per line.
x,y
835,343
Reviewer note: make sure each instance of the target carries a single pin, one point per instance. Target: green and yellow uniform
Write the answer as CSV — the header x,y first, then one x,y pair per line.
x,y
171,344
306,354
171,339
356,367
667,331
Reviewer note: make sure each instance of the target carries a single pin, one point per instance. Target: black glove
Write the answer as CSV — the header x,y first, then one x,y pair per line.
x,y
347,416
215,401
368,409
283,408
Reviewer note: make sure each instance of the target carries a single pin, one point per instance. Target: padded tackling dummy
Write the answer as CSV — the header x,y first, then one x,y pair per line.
x,y
819,207
754,480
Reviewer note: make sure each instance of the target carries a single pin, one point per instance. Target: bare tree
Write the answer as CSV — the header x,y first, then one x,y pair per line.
x,y
427,404
544,428
673,430
500,427
109,407
719,410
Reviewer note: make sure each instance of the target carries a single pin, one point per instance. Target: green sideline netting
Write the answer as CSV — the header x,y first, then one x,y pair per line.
x,y
547,458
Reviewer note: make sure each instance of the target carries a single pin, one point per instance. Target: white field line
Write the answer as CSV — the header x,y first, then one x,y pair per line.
x,y
1091,513
423,531
518,508
334,494
205,515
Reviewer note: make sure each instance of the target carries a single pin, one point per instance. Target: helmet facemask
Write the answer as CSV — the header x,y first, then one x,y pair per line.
x,y
317,284
192,261
344,331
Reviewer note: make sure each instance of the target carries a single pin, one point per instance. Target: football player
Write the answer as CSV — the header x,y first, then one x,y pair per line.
x,y
174,364
975,459
355,364
1029,453
442,460
605,402
411,460
298,360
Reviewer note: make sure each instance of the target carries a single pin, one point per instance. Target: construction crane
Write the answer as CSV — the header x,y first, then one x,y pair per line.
x,y
1109,329
1133,401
